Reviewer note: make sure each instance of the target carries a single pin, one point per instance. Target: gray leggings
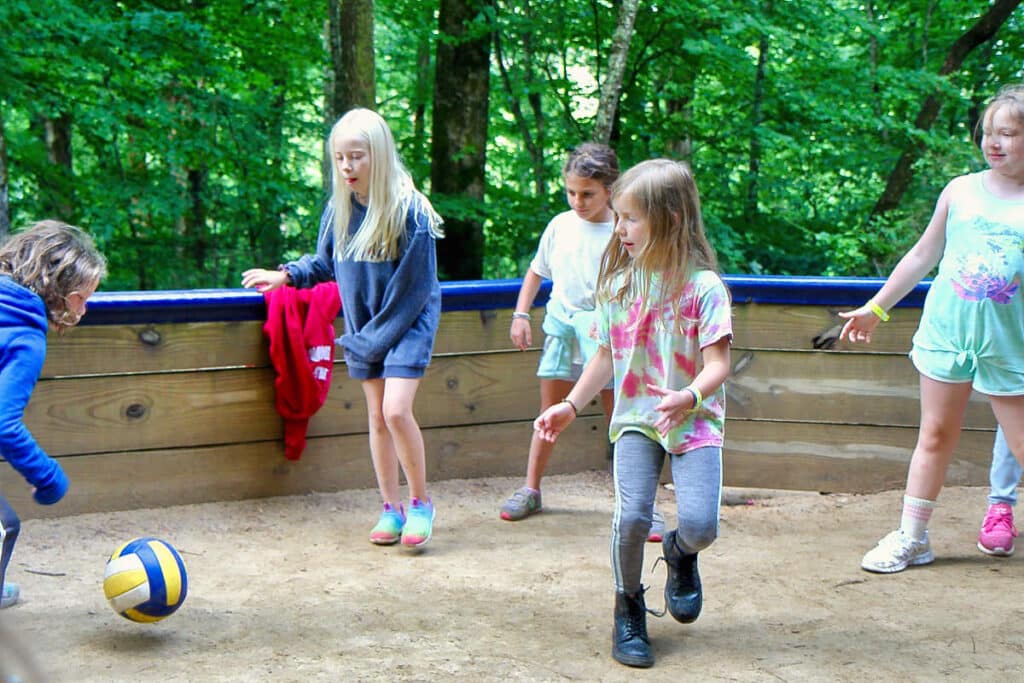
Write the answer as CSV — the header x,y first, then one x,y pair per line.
x,y
697,476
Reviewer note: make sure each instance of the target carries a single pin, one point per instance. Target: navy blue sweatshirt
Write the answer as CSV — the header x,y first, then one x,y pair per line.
x,y
23,326
391,308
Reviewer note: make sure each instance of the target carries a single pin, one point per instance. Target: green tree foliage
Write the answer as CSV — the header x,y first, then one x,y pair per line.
x,y
192,127
196,126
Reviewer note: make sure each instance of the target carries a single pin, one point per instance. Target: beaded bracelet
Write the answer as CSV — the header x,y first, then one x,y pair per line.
x,y
520,315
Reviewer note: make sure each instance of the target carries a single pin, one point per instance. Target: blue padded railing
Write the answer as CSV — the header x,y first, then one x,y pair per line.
x,y
208,305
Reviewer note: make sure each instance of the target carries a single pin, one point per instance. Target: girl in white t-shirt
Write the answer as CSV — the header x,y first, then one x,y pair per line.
x,y
569,254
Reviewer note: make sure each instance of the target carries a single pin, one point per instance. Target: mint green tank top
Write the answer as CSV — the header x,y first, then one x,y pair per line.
x,y
975,305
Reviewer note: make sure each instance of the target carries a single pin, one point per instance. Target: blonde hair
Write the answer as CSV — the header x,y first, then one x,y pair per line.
x,y
391,192
1010,96
53,259
664,192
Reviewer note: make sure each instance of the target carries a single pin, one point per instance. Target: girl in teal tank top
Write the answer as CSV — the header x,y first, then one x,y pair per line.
x,y
971,334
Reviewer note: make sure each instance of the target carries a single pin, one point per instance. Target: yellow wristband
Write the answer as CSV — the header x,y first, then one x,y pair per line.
x,y
878,310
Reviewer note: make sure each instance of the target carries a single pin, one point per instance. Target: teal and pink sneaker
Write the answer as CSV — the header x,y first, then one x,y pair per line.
x,y
419,525
10,594
389,527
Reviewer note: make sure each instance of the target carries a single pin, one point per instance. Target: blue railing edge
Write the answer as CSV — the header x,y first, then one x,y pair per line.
x,y
209,305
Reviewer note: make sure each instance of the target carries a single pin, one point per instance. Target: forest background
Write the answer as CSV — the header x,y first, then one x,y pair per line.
x,y
187,135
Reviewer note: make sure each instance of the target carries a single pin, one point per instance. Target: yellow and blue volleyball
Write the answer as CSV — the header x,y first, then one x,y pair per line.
x,y
145,580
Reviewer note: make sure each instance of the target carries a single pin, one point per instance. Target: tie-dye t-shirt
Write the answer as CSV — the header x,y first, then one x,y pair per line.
x,y
649,347
975,306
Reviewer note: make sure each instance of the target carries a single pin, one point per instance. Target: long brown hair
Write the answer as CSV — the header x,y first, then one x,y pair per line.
x,y
664,191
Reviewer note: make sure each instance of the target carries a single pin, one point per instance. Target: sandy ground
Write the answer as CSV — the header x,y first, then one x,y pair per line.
x,y
289,589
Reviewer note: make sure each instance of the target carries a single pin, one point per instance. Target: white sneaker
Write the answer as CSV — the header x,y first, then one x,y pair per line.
x,y
896,552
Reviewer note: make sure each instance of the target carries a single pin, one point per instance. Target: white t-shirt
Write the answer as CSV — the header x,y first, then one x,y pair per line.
x,y
569,254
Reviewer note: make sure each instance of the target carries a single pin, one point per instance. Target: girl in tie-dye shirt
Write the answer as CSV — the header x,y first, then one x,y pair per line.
x,y
664,333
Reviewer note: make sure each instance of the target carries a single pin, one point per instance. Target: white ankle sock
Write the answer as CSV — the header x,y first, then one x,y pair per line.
x,y
917,512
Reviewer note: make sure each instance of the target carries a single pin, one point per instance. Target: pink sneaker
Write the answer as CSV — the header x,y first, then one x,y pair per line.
x,y
997,531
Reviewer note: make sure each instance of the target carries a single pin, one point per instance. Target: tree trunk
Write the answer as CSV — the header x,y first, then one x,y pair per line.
x,y
750,205
876,103
611,89
352,80
534,146
459,130
56,177
5,209
421,97
982,31
195,218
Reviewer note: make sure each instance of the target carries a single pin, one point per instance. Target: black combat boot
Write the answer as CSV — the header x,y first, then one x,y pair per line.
x,y
683,597
630,644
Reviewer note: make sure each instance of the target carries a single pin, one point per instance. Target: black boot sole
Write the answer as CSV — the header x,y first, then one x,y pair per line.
x,y
633,660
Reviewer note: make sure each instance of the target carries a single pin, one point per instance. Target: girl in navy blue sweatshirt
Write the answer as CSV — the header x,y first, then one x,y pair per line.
x,y
47,273
377,241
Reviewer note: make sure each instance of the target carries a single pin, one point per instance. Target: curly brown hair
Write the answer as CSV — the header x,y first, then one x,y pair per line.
x,y
53,259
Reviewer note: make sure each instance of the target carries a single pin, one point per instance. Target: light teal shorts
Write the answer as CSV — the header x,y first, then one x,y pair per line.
x,y
556,364
987,376
557,361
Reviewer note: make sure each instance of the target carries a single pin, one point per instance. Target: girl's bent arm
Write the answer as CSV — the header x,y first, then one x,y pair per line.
x,y
676,405
595,377
17,380
312,269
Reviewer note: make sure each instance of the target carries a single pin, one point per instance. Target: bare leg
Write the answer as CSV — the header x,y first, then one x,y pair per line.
x,y
942,413
608,403
551,392
399,394
1009,411
382,447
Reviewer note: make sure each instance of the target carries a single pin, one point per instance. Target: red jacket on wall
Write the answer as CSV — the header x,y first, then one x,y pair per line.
x,y
300,329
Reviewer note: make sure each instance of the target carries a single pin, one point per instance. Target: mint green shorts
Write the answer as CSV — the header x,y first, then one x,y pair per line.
x,y
986,375
556,364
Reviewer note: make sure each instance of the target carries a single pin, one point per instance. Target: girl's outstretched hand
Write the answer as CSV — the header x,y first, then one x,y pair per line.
x,y
263,280
552,421
860,323
674,407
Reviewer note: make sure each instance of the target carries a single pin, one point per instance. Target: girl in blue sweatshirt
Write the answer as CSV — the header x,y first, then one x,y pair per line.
x,y
47,273
377,240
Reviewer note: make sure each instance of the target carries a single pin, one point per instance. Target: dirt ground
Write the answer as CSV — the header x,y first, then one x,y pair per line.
x,y
289,589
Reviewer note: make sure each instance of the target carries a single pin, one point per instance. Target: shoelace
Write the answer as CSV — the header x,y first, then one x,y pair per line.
x,y
634,629
1004,522
522,497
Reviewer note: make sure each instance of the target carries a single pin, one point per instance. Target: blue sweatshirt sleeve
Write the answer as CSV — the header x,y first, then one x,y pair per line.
x,y
23,362
405,295
312,269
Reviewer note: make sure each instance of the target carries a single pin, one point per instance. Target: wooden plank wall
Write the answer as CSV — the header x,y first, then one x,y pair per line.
x,y
153,415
